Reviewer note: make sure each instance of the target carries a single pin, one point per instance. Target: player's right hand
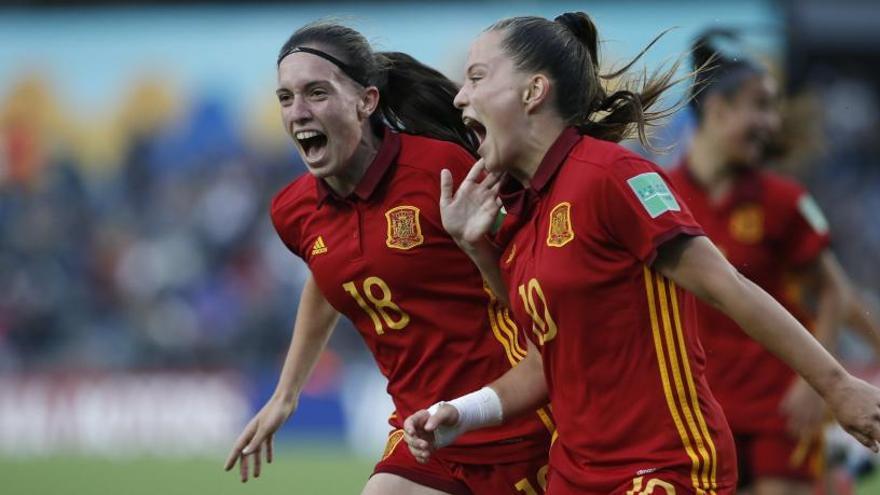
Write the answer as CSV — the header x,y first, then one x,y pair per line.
x,y
469,212
856,406
258,435
419,430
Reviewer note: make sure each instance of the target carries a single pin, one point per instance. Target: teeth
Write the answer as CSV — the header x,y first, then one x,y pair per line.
x,y
307,134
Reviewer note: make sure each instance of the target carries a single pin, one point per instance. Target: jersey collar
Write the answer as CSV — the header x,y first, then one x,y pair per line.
x,y
518,199
387,154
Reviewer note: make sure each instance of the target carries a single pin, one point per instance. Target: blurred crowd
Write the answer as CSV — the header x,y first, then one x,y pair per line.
x,y
140,238
845,173
142,241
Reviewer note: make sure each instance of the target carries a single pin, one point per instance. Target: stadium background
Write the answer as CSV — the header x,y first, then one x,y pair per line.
x,y
145,301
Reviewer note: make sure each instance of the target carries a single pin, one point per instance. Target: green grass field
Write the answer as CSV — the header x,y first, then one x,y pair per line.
x,y
293,472
870,487
298,472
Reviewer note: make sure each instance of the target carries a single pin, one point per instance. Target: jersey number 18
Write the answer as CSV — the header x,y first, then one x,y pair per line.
x,y
381,309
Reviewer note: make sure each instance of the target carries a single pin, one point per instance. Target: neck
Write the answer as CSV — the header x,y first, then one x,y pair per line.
x,y
539,137
346,181
708,165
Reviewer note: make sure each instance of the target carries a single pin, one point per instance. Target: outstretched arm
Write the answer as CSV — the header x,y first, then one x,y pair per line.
x,y
802,406
696,264
315,320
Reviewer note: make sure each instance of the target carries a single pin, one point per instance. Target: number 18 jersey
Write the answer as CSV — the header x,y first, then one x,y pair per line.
x,y
381,257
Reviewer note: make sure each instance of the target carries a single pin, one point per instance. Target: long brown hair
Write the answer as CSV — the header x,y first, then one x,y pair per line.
x,y
413,97
567,50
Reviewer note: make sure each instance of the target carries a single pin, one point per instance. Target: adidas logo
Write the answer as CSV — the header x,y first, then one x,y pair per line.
x,y
319,247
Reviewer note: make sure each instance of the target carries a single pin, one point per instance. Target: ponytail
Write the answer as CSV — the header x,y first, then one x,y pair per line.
x,y
567,50
417,99
583,28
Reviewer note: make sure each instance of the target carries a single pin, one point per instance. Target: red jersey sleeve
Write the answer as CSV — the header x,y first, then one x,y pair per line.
x,y
282,211
806,232
640,209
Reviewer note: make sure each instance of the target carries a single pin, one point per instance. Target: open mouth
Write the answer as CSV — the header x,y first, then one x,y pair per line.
x,y
760,140
476,126
312,143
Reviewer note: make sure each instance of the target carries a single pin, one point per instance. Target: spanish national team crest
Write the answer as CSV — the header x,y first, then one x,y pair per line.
x,y
404,231
747,224
560,232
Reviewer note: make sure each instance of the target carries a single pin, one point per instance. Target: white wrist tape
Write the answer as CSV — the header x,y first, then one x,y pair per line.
x,y
475,410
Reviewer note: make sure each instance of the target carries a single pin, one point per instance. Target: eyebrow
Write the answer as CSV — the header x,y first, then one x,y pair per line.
x,y
308,85
478,65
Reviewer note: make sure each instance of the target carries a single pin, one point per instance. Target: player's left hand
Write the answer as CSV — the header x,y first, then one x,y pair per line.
x,y
856,405
803,408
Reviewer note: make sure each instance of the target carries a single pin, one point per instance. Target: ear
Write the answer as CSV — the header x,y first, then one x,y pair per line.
x,y
536,92
368,102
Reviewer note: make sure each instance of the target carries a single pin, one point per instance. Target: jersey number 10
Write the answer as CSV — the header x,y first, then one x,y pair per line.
x,y
381,309
542,324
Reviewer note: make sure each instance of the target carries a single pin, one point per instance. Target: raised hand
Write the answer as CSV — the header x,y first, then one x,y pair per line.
x,y
469,212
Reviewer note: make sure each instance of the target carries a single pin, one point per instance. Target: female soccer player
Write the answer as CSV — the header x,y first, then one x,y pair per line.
x,y
770,229
601,269
373,129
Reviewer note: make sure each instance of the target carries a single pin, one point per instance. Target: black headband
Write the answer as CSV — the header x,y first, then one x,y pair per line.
x,y
725,77
348,70
734,77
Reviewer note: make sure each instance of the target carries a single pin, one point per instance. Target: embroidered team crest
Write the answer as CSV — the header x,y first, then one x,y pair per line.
x,y
404,230
747,224
560,232
319,247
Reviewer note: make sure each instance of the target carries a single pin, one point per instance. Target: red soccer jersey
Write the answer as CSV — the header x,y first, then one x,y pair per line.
x,y
621,355
766,226
382,258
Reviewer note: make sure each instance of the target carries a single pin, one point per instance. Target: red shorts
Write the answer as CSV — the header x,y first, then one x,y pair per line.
x,y
776,455
515,478
663,482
